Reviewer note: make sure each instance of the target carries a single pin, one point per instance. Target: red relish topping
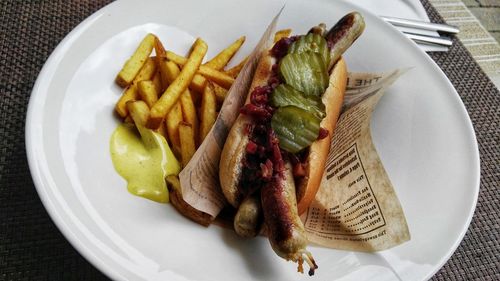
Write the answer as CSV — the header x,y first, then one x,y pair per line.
x,y
263,161
252,147
260,95
257,112
299,170
323,133
267,170
274,79
280,49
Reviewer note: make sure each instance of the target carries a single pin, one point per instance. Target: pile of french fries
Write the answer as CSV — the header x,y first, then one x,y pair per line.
x,y
177,96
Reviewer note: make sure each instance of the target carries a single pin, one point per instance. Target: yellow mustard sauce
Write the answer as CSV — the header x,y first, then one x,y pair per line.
x,y
143,159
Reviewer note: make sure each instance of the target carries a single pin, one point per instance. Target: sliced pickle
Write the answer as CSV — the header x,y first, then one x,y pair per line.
x,y
305,72
285,95
311,42
295,128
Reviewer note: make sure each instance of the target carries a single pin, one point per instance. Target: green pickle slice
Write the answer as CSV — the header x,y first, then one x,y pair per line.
x,y
295,128
305,72
285,95
311,42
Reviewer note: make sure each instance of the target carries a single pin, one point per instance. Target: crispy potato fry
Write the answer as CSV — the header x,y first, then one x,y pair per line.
x,y
171,71
136,61
220,93
158,83
130,94
147,71
160,59
281,34
175,191
159,49
198,84
147,92
216,76
162,130
139,114
163,73
210,73
139,111
207,111
186,137
178,86
218,62
222,58
189,112
234,71
128,120
188,108
174,117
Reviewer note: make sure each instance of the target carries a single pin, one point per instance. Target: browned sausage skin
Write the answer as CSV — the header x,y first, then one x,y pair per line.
x,y
285,229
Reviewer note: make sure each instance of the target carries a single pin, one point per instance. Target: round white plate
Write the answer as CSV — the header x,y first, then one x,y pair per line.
x,y
420,128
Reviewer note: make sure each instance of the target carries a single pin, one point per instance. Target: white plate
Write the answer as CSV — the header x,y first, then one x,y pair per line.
x,y
420,128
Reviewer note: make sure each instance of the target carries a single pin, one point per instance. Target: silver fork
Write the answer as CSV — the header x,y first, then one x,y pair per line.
x,y
418,29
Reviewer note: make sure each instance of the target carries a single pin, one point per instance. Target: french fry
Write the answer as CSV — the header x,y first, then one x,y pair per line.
x,y
281,34
207,111
139,114
136,61
162,130
189,112
208,72
218,62
198,84
186,137
130,94
175,192
128,120
139,111
234,71
220,93
178,86
147,71
160,59
163,72
216,76
171,70
147,92
159,49
158,83
174,117
188,108
222,58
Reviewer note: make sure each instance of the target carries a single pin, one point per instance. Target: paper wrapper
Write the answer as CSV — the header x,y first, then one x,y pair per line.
x,y
356,207
200,178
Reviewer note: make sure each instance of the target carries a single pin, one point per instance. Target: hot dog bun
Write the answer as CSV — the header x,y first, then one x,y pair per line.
x,y
307,187
231,166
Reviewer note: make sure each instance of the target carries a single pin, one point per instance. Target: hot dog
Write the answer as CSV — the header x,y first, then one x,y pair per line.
x,y
277,147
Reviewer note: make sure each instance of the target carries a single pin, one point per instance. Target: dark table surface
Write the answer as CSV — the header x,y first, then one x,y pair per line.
x,y
32,248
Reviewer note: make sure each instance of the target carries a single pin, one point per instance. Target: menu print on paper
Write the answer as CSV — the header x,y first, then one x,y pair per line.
x,y
356,207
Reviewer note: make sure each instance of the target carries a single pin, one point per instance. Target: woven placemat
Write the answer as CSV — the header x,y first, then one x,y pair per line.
x,y
32,248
